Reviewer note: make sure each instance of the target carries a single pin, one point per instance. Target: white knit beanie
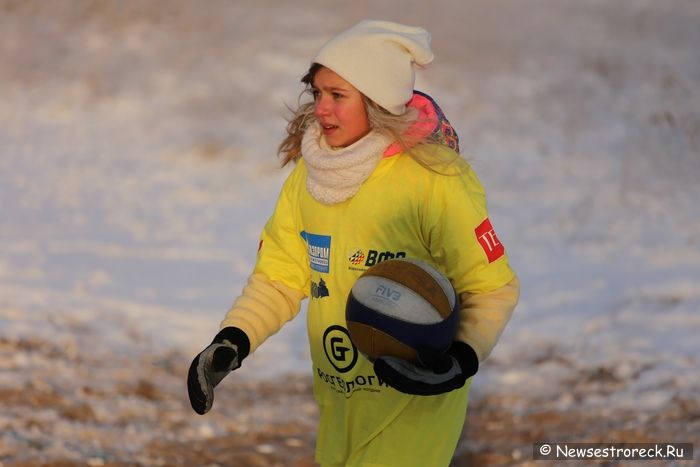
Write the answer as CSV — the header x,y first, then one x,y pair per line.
x,y
378,58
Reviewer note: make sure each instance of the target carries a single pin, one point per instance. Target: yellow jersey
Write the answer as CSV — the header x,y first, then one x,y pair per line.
x,y
401,210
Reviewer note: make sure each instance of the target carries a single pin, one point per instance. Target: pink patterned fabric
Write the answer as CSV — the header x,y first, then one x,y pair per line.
x,y
431,121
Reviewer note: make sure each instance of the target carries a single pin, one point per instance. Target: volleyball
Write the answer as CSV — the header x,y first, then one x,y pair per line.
x,y
399,306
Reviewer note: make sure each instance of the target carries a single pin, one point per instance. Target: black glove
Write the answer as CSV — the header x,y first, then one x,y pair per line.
x,y
438,373
224,354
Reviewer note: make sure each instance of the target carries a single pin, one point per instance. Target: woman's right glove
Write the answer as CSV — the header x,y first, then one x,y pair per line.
x,y
221,357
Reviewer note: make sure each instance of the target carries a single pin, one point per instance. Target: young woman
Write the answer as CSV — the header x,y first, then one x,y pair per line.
x,y
377,176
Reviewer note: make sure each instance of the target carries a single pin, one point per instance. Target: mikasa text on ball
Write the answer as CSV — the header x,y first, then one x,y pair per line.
x,y
400,306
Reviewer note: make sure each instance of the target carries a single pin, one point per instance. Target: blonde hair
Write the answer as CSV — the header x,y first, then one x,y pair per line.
x,y
380,120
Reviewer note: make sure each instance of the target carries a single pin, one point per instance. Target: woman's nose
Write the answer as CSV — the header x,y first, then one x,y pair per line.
x,y
322,106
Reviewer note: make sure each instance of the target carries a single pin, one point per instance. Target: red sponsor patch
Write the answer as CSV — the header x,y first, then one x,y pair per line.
x,y
489,241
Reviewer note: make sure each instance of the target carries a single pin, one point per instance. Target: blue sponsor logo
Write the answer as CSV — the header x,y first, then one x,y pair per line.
x,y
319,249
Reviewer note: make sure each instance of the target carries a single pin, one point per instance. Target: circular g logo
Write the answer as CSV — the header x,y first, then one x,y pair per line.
x,y
339,349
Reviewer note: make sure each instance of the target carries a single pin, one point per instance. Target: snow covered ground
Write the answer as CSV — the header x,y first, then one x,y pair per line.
x,y
137,167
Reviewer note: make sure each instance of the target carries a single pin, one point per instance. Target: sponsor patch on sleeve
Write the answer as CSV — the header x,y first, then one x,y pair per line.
x,y
489,241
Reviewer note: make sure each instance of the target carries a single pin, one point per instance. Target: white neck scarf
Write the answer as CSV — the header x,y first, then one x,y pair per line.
x,y
335,175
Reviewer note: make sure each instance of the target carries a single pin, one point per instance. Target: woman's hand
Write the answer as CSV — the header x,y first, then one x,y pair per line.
x,y
437,373
211,365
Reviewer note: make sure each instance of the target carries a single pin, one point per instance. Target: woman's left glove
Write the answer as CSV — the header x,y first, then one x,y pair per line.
x,y
437,373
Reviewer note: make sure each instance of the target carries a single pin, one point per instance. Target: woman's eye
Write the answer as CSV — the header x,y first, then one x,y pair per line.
x,y
337,95
315,93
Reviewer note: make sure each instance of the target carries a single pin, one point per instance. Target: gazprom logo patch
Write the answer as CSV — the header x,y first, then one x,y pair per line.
x,y
319,248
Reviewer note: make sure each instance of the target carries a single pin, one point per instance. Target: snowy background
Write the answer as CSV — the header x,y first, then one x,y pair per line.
x,y
137,167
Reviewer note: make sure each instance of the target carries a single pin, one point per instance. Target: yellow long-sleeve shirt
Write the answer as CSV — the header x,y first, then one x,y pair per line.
x,y
316,250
